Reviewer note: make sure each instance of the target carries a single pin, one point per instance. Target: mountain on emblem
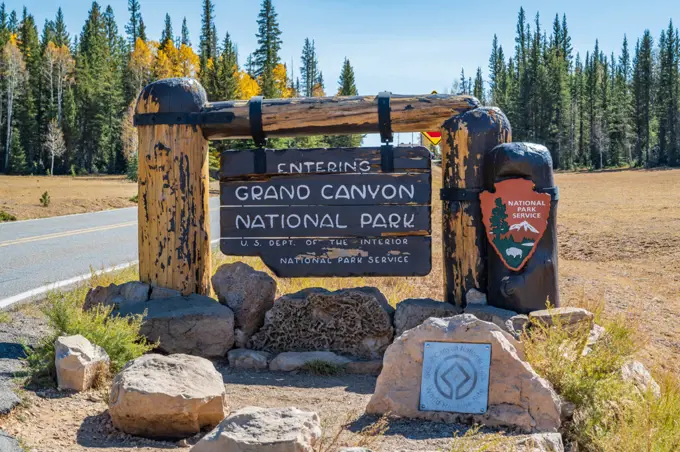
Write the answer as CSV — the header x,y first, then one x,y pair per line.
x,y
515,217
525,226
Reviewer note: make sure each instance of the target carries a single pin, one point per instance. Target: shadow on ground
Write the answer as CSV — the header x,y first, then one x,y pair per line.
x,y
97,431
359,384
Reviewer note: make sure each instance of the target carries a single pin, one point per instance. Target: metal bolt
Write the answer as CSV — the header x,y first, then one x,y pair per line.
x,y
427,345
488,347
422,407
482,410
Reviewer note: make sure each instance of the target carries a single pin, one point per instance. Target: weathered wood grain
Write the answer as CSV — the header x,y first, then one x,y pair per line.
x,y
335,115
174,222
465,140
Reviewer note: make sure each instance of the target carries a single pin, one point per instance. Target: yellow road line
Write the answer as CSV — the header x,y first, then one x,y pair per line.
x,y
66,234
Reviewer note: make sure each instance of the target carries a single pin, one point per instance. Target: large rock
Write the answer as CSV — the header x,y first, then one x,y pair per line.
x,y
254,429
567,317
352,321
114,295
474,296
167,396
247,292
636,373
79,363
289,361
518,397
8,399
195,325
414,311
242,358
9,443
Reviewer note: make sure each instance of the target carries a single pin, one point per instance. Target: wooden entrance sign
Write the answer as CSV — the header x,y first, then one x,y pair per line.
x,y
328,212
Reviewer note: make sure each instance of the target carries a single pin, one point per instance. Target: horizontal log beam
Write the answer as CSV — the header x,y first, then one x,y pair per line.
x,y
333,115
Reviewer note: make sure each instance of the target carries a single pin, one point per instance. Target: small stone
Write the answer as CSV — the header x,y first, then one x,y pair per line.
x,y
540,442
195,325
8,399
289,361
174,396
568,317
474,296
353,449
515,325
78,362
595,334
494,315
364,367
264,429
248,293
636,373
242,358
414,311
517,396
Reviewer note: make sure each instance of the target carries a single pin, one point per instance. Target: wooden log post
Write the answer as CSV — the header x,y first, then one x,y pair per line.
x,y
465,140
174,221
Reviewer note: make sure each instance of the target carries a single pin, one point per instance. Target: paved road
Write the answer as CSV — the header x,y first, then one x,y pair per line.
x,y
37,253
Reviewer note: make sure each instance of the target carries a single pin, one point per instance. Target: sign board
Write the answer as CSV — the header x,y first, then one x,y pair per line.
x,y
515,217
455,377
433,137
328,212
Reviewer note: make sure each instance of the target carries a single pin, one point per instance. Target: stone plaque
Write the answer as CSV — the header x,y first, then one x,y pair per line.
x,y
455,377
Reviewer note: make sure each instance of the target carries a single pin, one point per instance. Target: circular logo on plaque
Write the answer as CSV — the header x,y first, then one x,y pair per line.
x,y
455,377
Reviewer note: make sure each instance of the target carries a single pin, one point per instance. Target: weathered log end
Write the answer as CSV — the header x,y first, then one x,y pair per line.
x,y
466,138
174,220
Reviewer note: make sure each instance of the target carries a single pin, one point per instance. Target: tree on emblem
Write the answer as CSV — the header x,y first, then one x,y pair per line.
x,y
499,215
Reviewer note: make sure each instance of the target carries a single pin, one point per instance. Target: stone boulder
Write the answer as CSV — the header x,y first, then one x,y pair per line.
x,y
247,292
636,373
172,396
414,311
8,399
474,296
539,442
290,361
195,325
567,317
115,295
9,443
257,429
79,363
517,397
357,322
242,358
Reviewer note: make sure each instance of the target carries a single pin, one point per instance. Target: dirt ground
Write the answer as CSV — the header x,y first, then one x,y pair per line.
x,y
619,244
20,195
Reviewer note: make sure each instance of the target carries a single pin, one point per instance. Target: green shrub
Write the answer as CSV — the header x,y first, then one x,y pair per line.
x,y
45,199
610,414
4,216
73,171
323,368
119,336
134,198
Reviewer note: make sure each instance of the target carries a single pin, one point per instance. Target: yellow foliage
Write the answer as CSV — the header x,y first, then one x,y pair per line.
x,y
141,62
247,86
163,67
189,62
281,81
318,91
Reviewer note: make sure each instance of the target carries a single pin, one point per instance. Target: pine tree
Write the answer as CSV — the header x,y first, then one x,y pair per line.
x,y
266,56
309,69
643,85
17,159
228,71
185,33
167,35
499,216
29,105
346,87
134,26
667,103
61,37
142,30
478,90
208,39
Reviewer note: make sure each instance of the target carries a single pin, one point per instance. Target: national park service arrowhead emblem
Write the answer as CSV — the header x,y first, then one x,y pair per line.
x,y
515,218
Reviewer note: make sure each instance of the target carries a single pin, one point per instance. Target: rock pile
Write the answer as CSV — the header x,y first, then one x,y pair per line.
x,y
357,322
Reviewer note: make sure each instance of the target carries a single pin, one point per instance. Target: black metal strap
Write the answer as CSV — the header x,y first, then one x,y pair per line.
x,y
472,194
384,117
259,161
387,158
460,194
193,119
256,128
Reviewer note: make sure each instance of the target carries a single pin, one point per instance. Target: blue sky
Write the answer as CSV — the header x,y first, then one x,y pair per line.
x,y
403,46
